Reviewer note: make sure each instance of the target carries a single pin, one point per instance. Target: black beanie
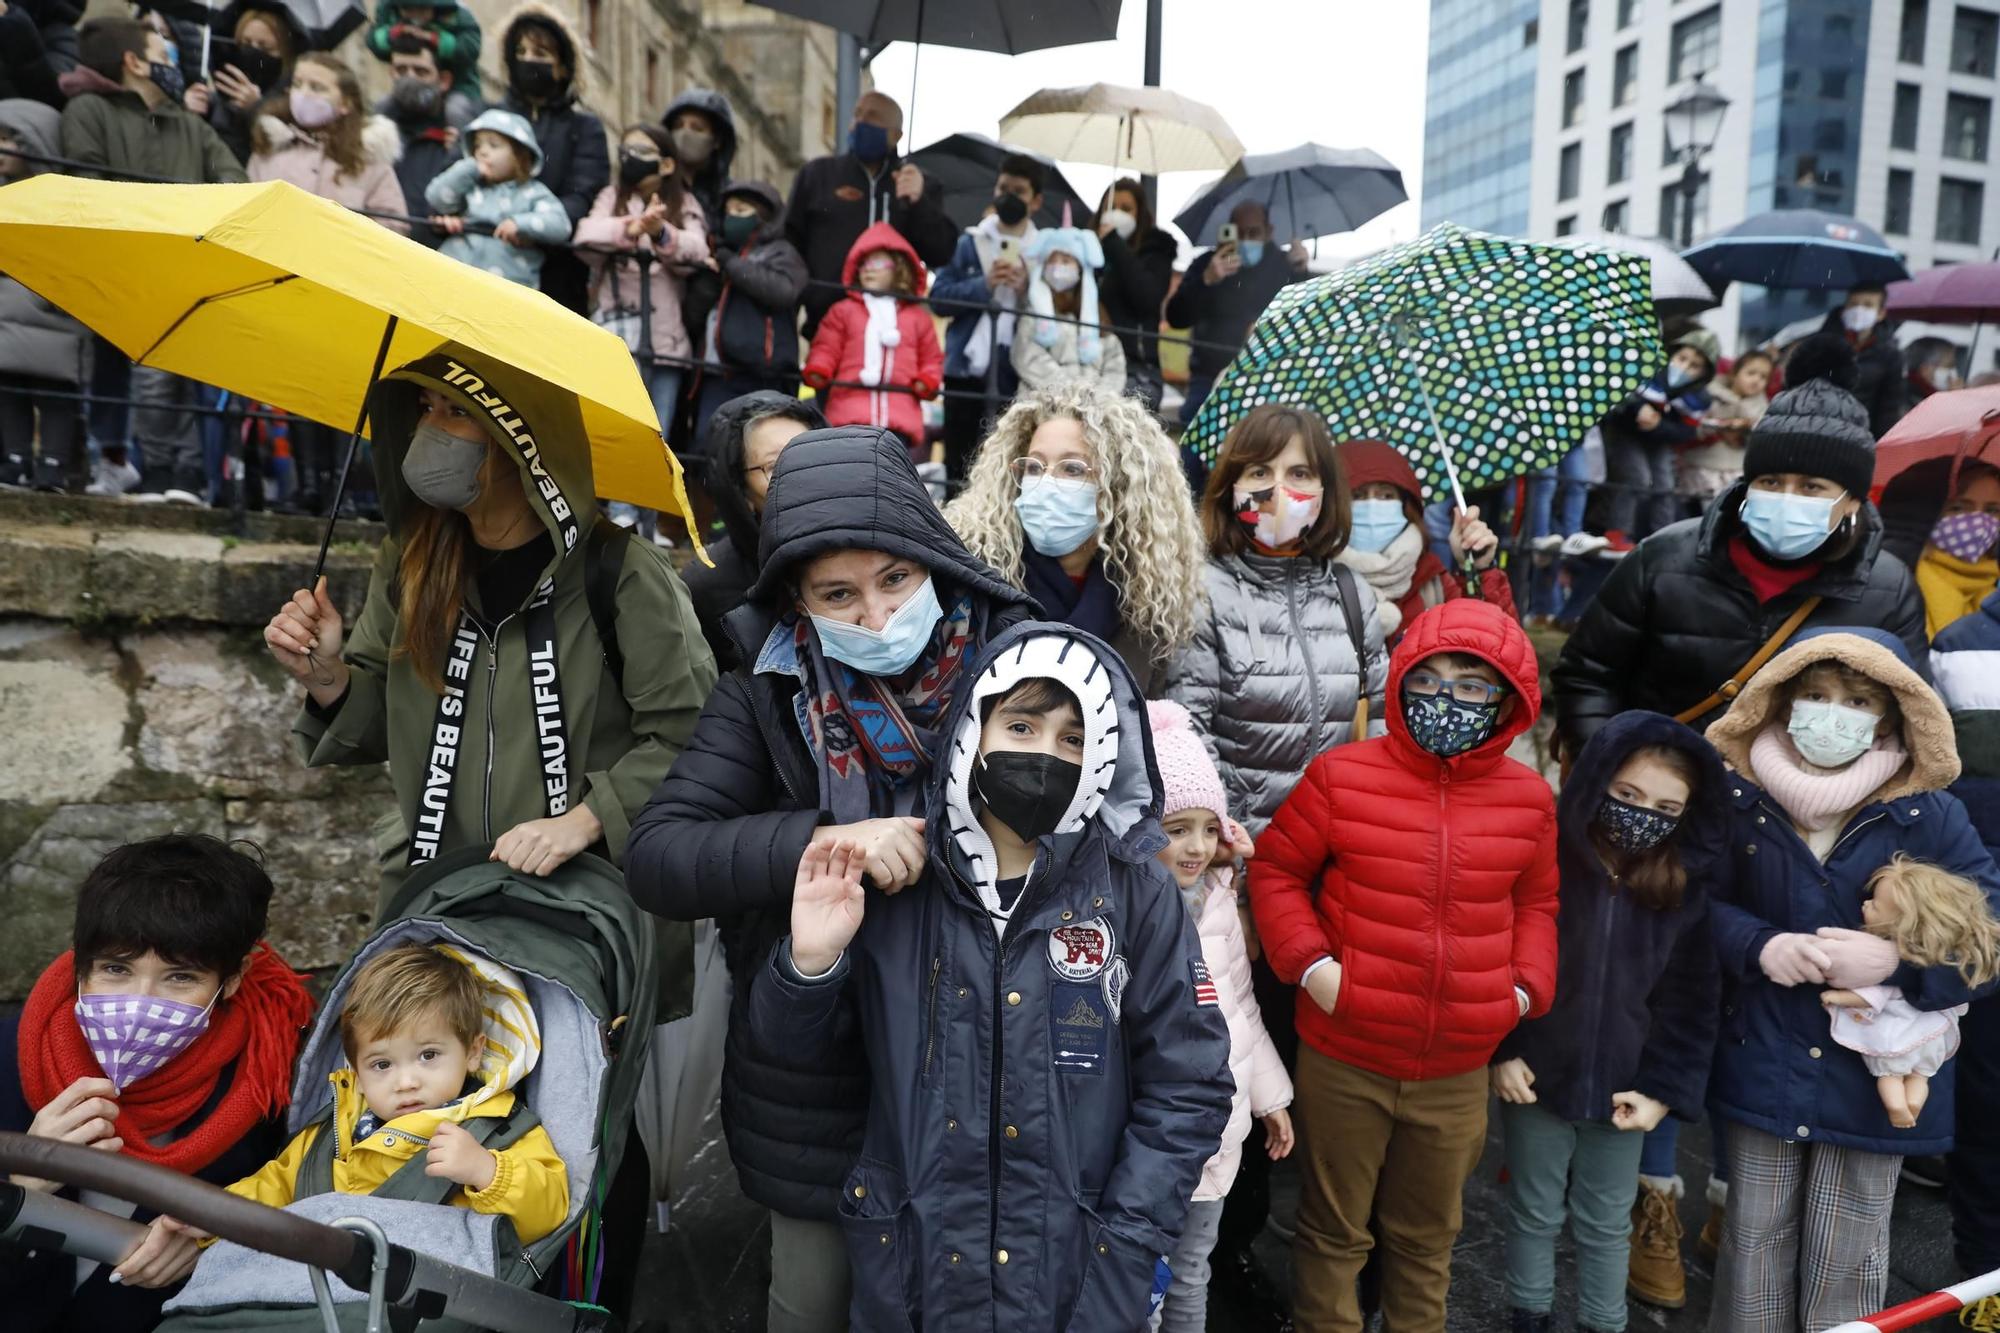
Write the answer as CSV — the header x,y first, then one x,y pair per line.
x,y
1817,430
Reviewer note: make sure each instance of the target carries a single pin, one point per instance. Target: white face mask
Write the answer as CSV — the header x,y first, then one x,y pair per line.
x,y
1121,222
1062,277
1859,318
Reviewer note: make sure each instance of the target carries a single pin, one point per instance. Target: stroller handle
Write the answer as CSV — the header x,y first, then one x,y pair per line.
x,y
415,1280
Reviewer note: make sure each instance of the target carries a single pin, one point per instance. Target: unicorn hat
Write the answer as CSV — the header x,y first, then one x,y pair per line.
x,y
1082,246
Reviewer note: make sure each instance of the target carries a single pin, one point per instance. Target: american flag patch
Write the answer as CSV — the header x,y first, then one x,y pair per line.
x,y
1204,986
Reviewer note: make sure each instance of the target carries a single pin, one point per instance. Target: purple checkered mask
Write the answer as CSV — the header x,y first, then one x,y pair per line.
x,y
134,1035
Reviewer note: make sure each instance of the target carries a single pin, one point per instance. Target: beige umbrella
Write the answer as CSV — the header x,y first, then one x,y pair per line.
x,y
1144,130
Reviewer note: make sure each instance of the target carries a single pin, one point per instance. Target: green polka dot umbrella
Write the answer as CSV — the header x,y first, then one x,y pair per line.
x,y
1478,357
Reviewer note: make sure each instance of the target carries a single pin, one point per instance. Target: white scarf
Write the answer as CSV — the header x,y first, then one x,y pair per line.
x,y
1388,572
985,335
883,335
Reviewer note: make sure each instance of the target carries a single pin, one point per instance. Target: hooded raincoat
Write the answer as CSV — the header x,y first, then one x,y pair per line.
x,y
723,836
1637,997
1777,1069
707,181
528,204
1048,1079
465,780
887,344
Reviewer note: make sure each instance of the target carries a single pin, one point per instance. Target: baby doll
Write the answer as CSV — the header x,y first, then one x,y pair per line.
x,y
1934,917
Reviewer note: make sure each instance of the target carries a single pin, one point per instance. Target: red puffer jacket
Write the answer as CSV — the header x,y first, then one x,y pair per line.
x,y
909,367
1431,881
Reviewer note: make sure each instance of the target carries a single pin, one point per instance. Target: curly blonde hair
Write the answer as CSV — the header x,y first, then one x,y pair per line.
x,y
1148,534
1943,919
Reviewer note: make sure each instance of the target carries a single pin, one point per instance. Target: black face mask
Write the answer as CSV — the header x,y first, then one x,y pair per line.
x,y
1010,208
1026,792
260,67
532,78
414,98
633,168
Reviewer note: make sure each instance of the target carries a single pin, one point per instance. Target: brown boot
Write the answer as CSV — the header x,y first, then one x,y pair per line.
x,y
1656,1275
1709,1242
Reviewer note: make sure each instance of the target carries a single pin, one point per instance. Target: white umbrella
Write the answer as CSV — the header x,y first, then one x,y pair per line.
x,y
1677,288
1144,130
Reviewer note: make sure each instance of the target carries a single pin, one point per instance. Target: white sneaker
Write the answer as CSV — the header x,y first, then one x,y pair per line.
x,y
1551,542
1583,543
179,497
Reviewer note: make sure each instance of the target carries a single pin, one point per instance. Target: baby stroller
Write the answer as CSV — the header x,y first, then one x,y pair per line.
x,y
584,953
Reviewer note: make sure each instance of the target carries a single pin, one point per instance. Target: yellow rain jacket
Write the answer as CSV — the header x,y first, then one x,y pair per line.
x,y
530,1183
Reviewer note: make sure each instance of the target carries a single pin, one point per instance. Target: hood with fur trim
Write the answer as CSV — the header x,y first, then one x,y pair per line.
x,y
882,236
567,42
1119,792
1927,731
381,141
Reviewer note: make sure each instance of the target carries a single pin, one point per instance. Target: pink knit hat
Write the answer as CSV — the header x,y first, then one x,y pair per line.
x,y
1186,771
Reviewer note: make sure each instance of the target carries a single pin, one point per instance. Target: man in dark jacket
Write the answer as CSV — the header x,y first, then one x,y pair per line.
x,y
1879,382
748,291
1221,295
836,198
416,103
724,834
1690,605
745,437
1050,1061
544,83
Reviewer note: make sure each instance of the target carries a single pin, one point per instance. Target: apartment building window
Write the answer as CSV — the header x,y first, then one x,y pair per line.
x,y
1973,35
1697,45
1671,203
1959,205
1903,128
1965,127
1625,76
1566,226
652,76
1569,172
1572,98
1896,217
1618,158
1618,217
1579,25
1628,12
1910,40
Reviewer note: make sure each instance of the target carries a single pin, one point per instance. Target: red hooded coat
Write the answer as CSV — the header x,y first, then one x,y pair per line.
x,y
911,370
1431,881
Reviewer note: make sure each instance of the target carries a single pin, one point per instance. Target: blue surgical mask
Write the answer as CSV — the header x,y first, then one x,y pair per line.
x,y
1252,252
1677,376
1058,516
870,143
1446,726
1376,524
891,650
1788,527
1831,735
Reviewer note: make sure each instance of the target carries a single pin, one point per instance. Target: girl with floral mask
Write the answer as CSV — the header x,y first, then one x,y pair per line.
x,y
1642,832
1274,675
1840,756
1958,568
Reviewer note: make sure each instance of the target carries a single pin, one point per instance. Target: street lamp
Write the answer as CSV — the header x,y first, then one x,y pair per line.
x,y
1692,124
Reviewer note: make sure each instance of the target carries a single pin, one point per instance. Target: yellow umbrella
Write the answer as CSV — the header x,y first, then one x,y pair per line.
x,y
284,297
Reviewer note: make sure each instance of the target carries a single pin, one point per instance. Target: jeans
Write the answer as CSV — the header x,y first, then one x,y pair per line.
x,y
1186,1307
1569,481
664,384
810,1284
1582,1168
110,377
1640,498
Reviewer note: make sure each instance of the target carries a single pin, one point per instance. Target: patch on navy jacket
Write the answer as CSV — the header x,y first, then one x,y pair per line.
x,y
1079,952
1204,986
1077,1028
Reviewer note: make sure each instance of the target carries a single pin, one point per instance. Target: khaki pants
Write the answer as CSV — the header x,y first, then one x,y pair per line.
x,y
1399,1150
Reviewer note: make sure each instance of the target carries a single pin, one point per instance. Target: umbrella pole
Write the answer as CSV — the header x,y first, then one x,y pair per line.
x,y
353,445
1468,573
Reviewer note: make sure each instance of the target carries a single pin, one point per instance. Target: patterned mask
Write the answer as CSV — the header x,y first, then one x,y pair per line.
x,y
1297,512
1634,828
1966,537
134,1035
1445,726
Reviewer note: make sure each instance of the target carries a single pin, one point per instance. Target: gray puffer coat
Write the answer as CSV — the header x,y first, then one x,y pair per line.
x,y
1272,677
36,338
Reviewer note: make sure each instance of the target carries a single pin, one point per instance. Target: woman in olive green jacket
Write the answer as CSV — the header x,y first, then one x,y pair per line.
x,y
477,668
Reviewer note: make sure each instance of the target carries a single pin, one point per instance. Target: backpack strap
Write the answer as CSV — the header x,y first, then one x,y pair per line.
x,y
604,552
409,1181
1350,610
1729,689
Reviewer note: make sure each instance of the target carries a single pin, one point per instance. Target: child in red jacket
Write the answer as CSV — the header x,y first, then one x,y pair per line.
x,y
880,337
1408,886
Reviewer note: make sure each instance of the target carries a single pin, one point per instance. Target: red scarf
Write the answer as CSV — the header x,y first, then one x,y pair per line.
x,y
257,1028
1765,580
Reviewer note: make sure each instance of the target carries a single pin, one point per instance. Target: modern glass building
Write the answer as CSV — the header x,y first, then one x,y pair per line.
x,y
1479,113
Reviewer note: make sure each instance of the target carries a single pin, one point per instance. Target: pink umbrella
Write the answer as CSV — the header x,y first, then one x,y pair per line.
x,y
1949,294
1960,424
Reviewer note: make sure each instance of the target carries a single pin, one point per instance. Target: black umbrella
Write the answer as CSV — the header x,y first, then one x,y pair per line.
x,y
965,165
1311,190
1007,26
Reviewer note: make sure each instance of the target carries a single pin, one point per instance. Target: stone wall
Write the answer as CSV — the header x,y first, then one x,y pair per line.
x,y
136,698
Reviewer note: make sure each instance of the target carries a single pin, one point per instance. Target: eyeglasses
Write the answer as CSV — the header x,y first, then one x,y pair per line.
x,y
1030,471
1466,689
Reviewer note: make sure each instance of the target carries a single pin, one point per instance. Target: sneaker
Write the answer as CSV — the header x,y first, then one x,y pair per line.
x,y
1551,542
1656,1275
1929,1172
1617,542
112,477
1527,1321
176,496
1583,543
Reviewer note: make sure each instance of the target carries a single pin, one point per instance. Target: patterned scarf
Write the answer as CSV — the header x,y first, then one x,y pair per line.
x,y
874,736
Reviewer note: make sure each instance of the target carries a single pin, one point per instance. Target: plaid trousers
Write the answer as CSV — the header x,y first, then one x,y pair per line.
x,y
1805,1243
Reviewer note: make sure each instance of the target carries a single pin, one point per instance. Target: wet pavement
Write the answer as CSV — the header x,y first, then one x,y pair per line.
x,y
708,1273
